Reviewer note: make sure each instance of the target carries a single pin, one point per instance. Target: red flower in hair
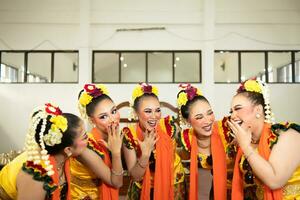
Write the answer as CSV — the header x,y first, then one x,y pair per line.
x,y
147,89
191,92
89,88
54,110
92,90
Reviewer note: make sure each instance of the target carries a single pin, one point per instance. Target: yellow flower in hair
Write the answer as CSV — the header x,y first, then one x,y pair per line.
x,y
199,93
155,90
103,88
59,122
252,86
182,99
137,92
85,99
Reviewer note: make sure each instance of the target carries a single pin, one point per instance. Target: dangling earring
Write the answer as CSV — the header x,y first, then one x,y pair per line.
x,y
257,115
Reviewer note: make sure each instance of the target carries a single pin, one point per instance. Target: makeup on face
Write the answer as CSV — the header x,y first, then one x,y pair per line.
x,y
201,118
149,113
105,114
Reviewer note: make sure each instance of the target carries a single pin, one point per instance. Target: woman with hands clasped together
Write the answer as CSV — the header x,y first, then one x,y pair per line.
x,y
268,162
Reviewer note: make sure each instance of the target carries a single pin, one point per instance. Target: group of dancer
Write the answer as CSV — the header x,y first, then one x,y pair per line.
x,y
245,155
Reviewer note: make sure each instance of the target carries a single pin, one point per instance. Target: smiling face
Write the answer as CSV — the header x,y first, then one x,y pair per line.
x,y
105,113
244,112
148,112
80,140
201,117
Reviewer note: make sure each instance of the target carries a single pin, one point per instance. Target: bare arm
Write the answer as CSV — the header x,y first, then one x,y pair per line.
x,y
28,188
112,176
135,169
94,162
283,161
137,166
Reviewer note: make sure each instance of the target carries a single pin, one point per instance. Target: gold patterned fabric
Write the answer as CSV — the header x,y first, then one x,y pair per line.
x,y
84,184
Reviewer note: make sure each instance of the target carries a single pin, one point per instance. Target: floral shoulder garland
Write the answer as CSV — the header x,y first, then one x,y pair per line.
x,y
130,140
40,174
169,123
186,138
94,146
277,128
226,137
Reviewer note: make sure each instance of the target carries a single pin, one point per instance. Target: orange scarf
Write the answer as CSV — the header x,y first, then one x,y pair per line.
x,y
164,172
55,178
219,167
107,192
237,182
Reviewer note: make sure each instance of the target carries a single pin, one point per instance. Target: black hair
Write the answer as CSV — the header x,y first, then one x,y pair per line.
x,y
90,108
68,136
185,109
255,97
137,101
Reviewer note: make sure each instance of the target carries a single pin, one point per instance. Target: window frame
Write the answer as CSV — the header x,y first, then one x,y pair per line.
x,y
146,52
266,55
52,52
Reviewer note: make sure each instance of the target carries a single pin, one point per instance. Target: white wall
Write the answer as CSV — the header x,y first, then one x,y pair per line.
x,y
87,25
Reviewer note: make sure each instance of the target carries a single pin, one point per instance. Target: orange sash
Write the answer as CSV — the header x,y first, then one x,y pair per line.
x,y
265,151
164,172
55,178
219,167
107,192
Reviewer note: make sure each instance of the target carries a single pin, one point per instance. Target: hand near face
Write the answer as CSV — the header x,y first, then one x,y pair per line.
x,y
114,141
242,135
148,145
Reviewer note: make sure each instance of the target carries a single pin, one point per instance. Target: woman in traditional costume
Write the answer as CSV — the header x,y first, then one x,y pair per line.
x,y
150,150
98,172
268,163
208,145
42,171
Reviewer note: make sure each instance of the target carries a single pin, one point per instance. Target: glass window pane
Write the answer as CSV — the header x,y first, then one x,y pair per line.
x,y
226,67
106,67
297,67
280,67
160,67
252,65
133,67
65,67
187,67
12,67
39,67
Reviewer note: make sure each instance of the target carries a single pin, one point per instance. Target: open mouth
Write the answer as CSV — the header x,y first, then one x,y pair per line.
x,y
152,123
239,122
207,128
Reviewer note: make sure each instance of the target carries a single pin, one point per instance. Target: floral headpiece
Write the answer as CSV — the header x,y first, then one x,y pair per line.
x,y
90,92
59,124
139,90
258,86
187,93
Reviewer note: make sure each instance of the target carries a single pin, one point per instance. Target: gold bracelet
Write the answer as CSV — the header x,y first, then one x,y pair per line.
x,y
117,174
139,163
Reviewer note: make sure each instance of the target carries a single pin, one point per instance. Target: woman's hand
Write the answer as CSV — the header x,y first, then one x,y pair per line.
x,y
242,136
149,142
115,139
